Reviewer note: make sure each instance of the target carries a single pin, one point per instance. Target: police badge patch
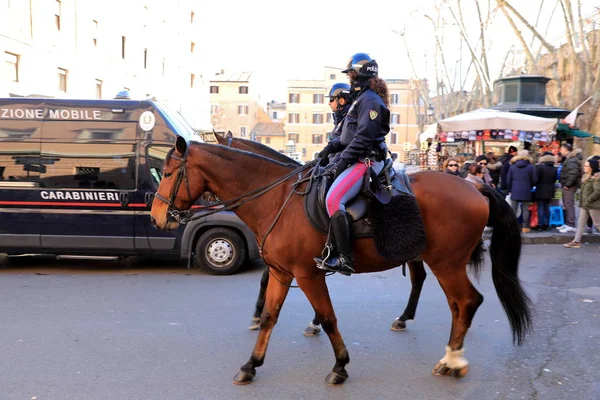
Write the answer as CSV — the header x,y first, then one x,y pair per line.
x,y
373,114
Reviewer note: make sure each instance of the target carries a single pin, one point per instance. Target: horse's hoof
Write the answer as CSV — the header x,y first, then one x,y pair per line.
x,y
398,325
312,330
334,379
243,377
443,370
255,324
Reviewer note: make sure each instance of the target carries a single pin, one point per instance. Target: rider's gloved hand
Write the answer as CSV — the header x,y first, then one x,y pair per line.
x,y
324,154
338,168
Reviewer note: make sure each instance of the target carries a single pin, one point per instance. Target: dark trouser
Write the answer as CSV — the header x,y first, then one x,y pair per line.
x,y
569,201
543,212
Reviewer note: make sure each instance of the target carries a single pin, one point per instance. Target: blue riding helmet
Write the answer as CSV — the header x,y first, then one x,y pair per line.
x,y
364,66
339,90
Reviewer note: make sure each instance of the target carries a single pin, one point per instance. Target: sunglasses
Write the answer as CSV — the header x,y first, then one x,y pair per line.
x,y
453,165
331,99
482,163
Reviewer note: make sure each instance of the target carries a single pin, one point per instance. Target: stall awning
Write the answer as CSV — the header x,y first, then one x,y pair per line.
x,y
484,118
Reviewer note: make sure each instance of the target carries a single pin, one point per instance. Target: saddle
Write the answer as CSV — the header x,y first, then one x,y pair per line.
x,y
376,187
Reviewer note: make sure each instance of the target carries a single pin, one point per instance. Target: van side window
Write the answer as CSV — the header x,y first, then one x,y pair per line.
x,y
155,159
20,153
80,155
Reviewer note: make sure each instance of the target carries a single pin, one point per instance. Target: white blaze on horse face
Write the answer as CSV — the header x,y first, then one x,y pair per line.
x,y
454,358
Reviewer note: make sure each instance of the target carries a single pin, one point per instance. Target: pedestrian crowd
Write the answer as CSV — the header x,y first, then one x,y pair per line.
x,y
532,186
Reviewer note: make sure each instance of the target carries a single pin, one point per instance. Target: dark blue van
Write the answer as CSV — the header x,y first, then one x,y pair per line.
x,y
77,177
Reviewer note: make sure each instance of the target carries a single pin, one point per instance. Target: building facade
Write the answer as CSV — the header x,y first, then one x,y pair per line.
x,y
309,120
234,103
82,49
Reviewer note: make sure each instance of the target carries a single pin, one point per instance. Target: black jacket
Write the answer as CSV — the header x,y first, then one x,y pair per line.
x,y
546,178
365,126
570,174
505,160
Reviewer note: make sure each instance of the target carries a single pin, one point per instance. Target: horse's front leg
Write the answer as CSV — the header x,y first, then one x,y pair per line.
x,y
260,301
277,291
417,278
316,291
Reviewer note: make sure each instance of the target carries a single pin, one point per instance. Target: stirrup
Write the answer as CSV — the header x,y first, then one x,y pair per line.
x,y
326,254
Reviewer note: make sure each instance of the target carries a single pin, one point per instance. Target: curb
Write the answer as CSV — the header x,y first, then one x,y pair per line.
x,y
556,238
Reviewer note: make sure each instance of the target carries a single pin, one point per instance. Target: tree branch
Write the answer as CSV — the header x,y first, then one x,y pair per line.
x,y
505,3
530,60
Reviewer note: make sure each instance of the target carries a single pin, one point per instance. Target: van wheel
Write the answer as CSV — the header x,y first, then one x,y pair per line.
x,y
220,251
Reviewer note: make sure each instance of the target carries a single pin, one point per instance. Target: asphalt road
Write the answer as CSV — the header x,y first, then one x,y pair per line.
x,y
100,330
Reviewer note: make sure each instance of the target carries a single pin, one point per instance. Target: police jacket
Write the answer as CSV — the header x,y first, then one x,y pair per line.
x,y
364,128
338,121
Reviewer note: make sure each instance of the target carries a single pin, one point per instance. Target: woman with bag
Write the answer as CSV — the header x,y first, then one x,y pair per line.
x,y
589,200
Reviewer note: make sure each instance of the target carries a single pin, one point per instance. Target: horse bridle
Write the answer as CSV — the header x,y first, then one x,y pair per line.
x,y
181,176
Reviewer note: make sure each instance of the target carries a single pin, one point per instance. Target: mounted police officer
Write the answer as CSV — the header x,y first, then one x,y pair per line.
x,y
339,102
360,145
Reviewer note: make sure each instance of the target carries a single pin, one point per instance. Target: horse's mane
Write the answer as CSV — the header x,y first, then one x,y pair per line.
x,y
226,151
269,150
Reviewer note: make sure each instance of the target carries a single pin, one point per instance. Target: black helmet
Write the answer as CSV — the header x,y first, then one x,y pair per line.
x,y
339,90
364,66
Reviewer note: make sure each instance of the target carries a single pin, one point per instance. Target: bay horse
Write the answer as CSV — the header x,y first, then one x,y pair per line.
x,y
416,268
445,203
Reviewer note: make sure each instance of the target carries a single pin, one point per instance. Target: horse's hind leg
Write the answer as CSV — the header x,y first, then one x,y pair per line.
x,y
313,328
277,291
463,300
316,291
260,301
417,278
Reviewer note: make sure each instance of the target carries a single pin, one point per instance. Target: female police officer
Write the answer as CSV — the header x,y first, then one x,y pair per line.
x,y
360,145
339,102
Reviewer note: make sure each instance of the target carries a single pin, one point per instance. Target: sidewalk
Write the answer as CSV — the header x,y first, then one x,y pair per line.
x,y
555,237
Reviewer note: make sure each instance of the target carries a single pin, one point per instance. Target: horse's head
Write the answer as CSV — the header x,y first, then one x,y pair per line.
x,y
175,191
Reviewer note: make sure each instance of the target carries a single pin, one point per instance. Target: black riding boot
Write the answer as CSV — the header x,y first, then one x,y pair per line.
x,y
341,229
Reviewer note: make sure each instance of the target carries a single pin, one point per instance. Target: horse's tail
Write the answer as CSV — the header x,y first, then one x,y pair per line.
x,y
505,251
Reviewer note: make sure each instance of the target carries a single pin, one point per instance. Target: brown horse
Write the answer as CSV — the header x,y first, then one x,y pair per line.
x,y
415,267
445,202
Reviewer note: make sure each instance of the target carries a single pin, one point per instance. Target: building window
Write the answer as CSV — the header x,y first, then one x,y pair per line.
x,y
318,98
98,89
395,119
145,58
192,16
192,79
332,76
394,99
62,79
242,110
192,47
394,138
214,108
12,66
243,89
293,137
267,140
57,13
317,118
214,89
317,138
330,118
274,115
243,131
123,47
294,118
294,97
259,139
95,32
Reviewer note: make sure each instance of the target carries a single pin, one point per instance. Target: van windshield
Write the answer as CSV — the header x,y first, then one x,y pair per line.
x,y
180,125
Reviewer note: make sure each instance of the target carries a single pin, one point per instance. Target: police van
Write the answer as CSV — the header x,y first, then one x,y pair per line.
x,y
77,177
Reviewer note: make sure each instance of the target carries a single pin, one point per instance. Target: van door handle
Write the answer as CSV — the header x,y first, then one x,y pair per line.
x,y
124,199
149,198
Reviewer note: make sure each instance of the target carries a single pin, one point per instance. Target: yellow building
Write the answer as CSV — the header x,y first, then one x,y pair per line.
x,y
309,119
270,133
234,103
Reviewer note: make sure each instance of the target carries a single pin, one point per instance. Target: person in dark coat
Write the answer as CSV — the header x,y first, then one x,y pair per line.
x,y
450,166
520,180
494,168
570,180
505,160
544,191
464,170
